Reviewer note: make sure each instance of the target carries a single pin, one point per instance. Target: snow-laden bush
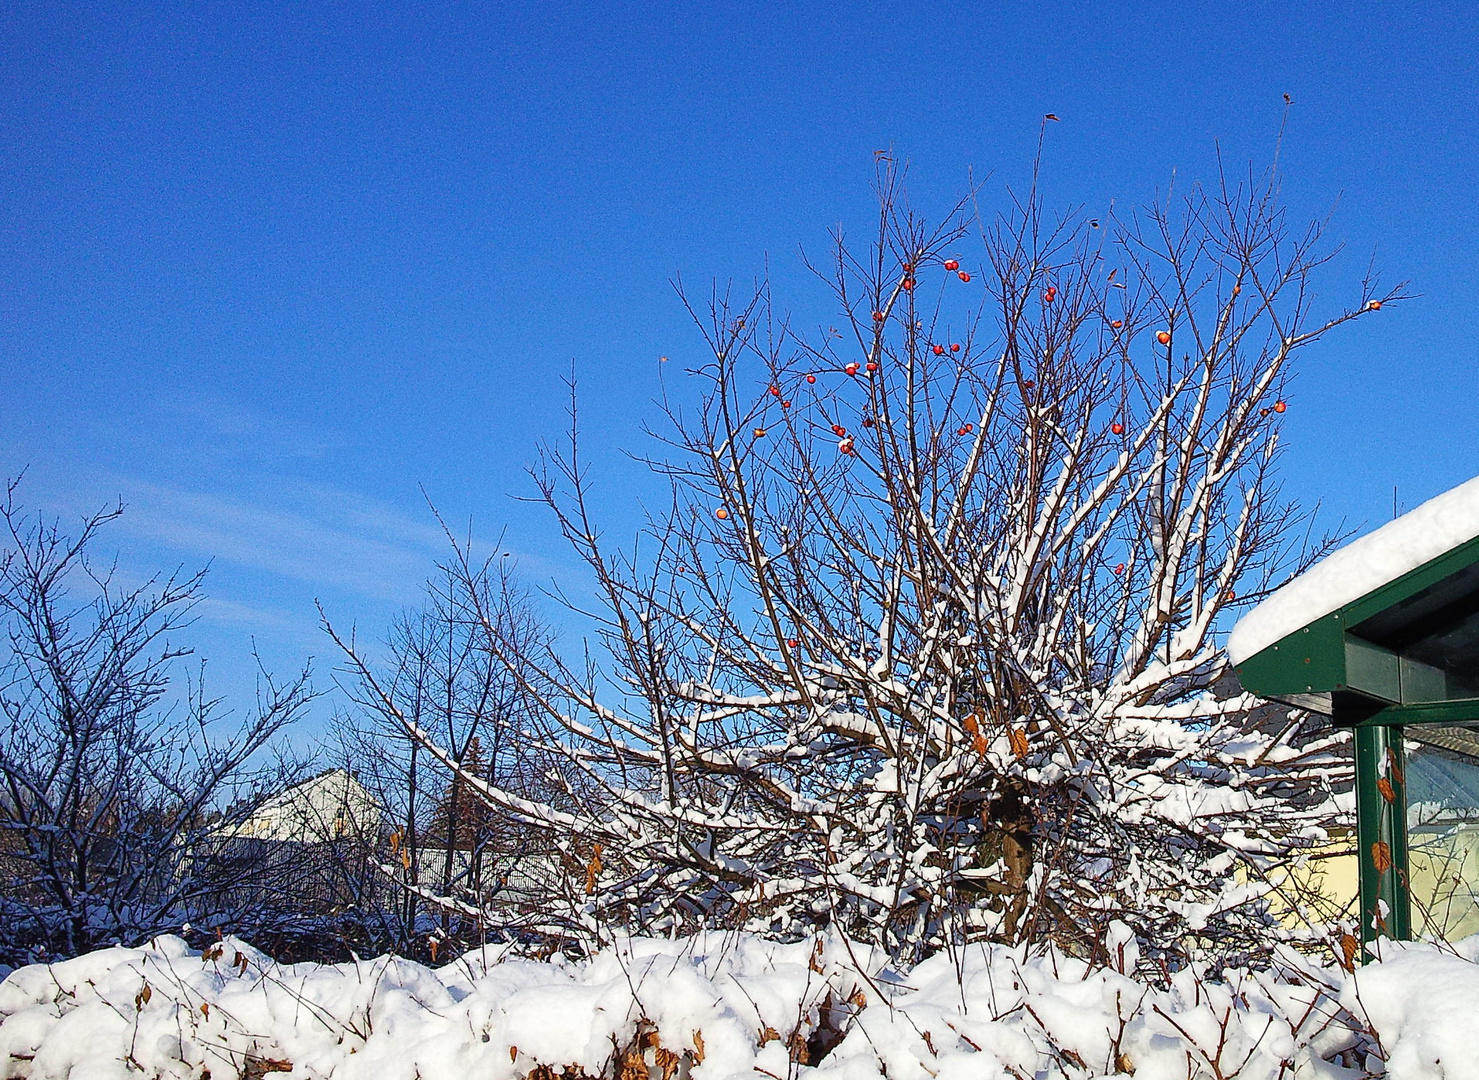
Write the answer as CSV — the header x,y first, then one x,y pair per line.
x,y
923,643
717,1006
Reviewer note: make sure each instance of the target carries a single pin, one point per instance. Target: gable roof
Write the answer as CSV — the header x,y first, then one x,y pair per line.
x,y
325,806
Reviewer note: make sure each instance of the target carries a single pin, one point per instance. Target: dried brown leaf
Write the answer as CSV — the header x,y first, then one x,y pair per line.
x,y
592,869
1381,856
667,1061
800,1053
256,1067
1349,949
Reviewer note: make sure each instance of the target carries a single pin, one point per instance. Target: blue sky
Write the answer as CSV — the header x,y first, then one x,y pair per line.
x,y
268,270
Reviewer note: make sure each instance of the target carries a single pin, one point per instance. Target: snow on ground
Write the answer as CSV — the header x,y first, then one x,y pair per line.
x,y
1360,567
715,1007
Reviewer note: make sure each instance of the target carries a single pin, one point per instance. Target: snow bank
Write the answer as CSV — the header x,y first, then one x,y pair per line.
x,y
1361,566
1432,997
716,1007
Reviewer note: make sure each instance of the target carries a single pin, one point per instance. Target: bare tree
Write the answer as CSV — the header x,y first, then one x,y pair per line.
x,y
456,866
925,644
110,786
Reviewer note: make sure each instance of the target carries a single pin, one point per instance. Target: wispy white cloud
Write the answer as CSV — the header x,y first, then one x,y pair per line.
x,y
233,486
324,538
287,629
233,431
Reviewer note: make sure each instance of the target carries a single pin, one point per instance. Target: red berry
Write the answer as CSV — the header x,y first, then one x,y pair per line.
x,y
845,446
963,276
775,391
1029,384
722,514
1279,406
1120,568
1263,412
811,378
786,404
968,428
1163,337
907,284
872,366
838,429
952,264
1117,324
908,268
759,433
939,350
1237,289
1117,428
955,346
1047,296
960,431
1231,596
1375,305
878,316
790,643
851,369
867,421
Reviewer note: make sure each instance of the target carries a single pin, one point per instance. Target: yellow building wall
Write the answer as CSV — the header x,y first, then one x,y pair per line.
x,y
1444,868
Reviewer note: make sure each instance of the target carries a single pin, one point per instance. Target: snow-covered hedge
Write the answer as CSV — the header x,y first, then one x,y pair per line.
x,y
720,1006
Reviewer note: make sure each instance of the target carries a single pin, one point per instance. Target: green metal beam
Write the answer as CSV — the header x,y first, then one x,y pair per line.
x,y
1310,660
1381,834
1464,711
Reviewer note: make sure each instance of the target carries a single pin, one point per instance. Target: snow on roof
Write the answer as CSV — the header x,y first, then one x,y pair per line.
x,y
1362,566
319,808
338,782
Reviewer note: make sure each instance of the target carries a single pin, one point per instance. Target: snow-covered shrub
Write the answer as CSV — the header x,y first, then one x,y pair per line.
x,y
924,647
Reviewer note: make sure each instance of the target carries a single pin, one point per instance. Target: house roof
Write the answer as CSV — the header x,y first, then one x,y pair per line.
x,y
1385,630
328,780
310,809
1361,567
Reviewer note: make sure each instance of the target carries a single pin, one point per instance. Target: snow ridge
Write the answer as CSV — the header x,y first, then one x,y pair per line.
x,y
730,1007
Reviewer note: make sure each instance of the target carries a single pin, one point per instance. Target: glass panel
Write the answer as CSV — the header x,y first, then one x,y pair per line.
x,y
1452,645
1443,830
1421,682
1436,632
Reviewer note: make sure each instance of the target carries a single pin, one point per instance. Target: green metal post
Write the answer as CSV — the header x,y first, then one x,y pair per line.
x,y
1381,832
